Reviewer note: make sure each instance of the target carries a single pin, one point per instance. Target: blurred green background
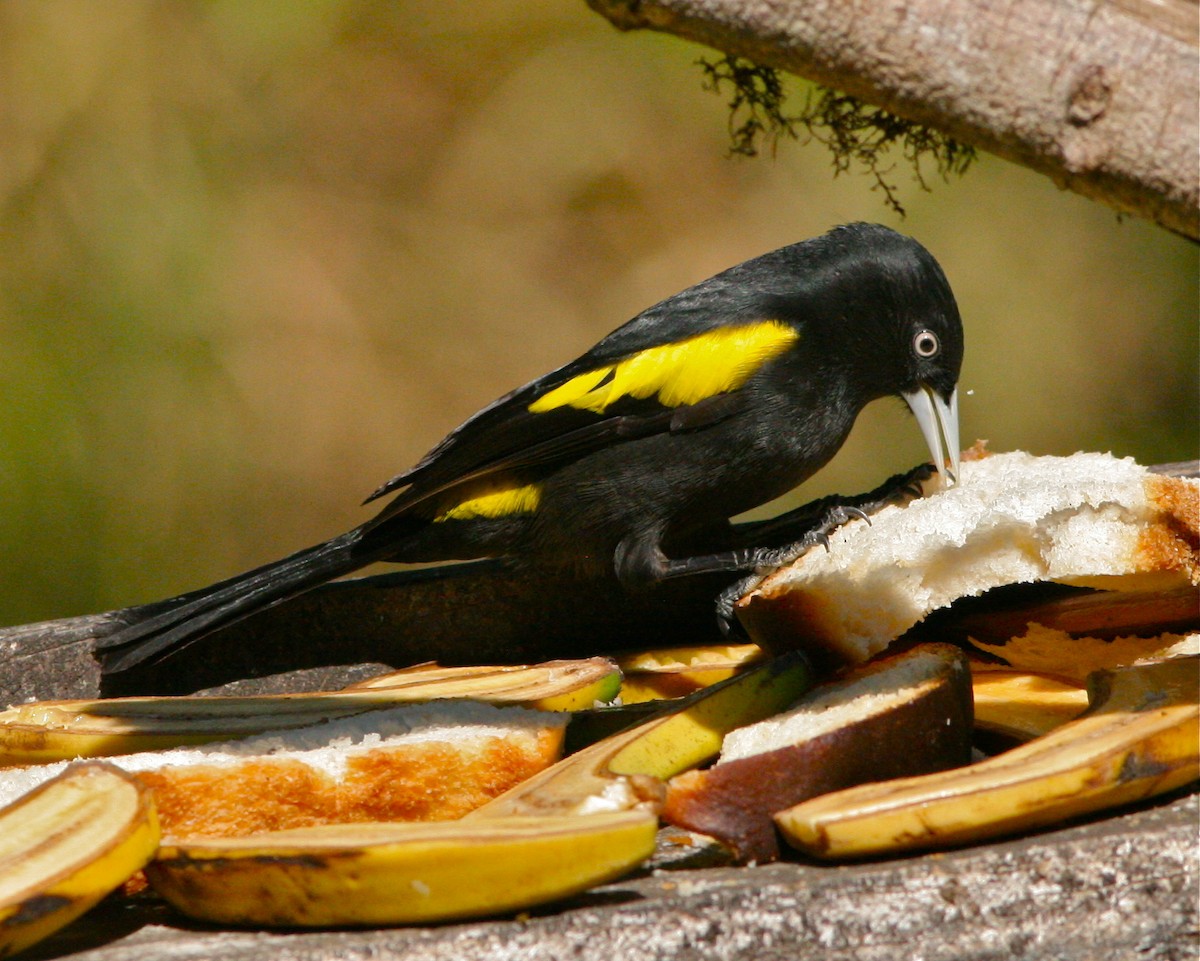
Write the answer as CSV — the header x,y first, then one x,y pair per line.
x,y
255,258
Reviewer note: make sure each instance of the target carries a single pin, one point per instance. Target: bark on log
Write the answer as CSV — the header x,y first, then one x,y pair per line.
x,y
459,614
1099,95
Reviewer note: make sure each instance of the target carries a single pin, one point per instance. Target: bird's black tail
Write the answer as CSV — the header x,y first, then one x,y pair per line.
x,y
157,629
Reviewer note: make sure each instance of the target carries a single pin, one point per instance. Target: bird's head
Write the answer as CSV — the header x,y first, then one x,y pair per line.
x,y
886,313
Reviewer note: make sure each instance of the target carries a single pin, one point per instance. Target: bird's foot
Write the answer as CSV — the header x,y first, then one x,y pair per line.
x,y
834,514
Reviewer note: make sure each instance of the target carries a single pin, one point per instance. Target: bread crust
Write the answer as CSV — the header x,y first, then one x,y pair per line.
x,y
433,781
415,763
1089,520
734,801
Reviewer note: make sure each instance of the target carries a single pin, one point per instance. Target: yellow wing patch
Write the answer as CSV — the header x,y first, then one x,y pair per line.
x,y
497,503
682,373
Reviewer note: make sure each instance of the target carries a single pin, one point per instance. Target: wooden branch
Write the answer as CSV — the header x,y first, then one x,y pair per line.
x,y
341,632
1099,95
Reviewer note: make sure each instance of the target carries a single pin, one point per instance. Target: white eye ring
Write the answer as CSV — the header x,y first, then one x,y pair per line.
x,y
926,344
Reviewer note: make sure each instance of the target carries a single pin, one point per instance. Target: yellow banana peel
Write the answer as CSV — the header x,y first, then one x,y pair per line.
x,y
628,769
569,685
1139,738
47,731
679,671
65,845
377,874
1073,657
1023,706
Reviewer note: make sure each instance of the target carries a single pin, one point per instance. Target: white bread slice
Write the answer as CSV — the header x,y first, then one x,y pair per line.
x,y
1090,520
424,762
900,715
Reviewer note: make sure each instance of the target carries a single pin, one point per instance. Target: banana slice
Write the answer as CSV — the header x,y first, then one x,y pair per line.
x,y
550,686
65,845
679,671
629,769
48,731
1141,737
1024,706
1074,657
379,874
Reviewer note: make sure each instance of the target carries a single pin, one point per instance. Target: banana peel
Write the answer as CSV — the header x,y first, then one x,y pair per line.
x,y
1071,657
1139,738
381,874
569,685
627,770
65,845
678,671
48,731
1022,706
1103,614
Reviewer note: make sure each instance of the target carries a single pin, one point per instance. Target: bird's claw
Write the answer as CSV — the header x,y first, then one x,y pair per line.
x,y
766,560
727,621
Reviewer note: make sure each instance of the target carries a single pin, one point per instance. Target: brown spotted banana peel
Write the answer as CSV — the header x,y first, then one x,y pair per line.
x,y
65,845
628,769
385,873
48,731
1139,738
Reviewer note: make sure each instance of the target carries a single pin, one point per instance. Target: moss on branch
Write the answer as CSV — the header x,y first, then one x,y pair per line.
x,y
856,133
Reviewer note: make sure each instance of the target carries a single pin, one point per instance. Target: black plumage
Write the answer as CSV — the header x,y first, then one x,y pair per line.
x,y
632,458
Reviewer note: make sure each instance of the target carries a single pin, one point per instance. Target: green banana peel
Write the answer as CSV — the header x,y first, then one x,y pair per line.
x,y
628,769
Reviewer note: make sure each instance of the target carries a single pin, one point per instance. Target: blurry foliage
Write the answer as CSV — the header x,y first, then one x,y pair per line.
x,y
856,133
256,258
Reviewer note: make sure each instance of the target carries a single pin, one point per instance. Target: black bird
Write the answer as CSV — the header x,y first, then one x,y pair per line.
x,y
631,459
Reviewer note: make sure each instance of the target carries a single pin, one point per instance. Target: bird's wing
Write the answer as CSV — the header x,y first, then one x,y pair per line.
x,y
604,397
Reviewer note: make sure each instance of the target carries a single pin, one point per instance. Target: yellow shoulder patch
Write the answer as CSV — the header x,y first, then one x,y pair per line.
x,y
496,503
682,373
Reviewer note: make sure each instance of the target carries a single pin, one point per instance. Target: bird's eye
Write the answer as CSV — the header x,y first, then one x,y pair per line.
x,y
925,344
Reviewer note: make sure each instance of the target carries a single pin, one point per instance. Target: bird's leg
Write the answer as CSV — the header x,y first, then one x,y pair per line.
x,y
810,525
766,545
795,524
769,559
640,560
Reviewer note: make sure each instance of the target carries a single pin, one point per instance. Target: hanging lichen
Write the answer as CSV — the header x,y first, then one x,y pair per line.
x,y
855,132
